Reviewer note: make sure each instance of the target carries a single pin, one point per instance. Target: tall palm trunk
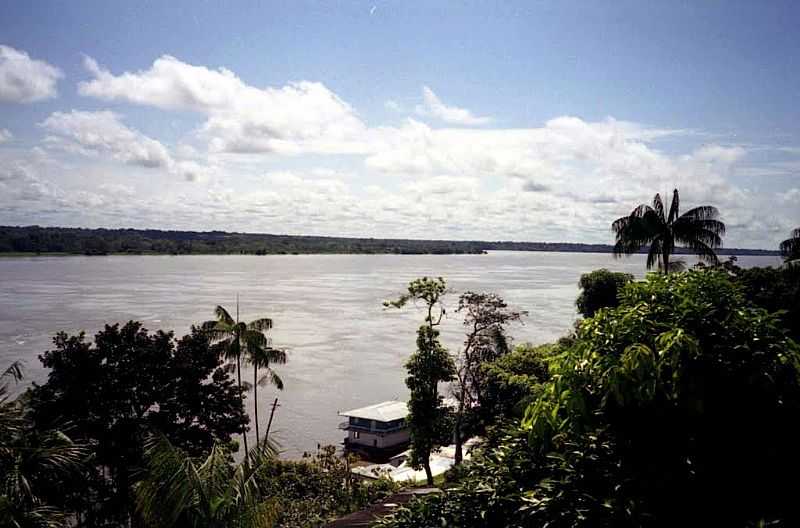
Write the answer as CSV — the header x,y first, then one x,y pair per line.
x,y
255,397
239,380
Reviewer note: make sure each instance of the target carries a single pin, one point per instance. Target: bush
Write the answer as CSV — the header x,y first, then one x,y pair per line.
x,y
680,407
600,290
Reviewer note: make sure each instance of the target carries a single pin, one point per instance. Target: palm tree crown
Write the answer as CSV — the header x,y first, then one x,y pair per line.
x,y
210,493
247,341
234,337
698,229
790,248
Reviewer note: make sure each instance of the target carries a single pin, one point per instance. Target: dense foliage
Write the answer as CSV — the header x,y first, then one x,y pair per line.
x,y
316,489
679,407
180,491
599,289
513,381
32,463
35,239
774,289
130,383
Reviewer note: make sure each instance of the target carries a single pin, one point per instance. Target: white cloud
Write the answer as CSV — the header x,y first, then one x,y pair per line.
x,y
299,117
102,132
433,106
5,135
25,80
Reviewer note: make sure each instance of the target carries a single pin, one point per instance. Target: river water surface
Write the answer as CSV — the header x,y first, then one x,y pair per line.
x,y
345,350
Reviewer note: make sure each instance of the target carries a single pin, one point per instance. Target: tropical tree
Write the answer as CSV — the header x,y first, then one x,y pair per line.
x,y
236,339
485,318
31,462
427,367
261,355
698,229
790,248
211,493
112,393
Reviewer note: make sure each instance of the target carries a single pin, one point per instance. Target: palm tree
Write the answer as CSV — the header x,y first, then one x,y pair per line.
x,y
232,336
180,491
790,248
30,462
261,355
697,228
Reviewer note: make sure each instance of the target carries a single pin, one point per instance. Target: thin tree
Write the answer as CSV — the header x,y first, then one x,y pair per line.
x,y
698,229
180,491
790,248
261,355
234,337
485,318
427,367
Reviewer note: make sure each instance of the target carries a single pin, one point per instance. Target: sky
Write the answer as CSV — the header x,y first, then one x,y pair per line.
x,y
527,121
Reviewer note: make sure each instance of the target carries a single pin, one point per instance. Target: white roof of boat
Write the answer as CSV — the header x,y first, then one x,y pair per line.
x,y
381,412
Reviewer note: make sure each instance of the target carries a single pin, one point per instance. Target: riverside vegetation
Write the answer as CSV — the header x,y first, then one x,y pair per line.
x,y
675,401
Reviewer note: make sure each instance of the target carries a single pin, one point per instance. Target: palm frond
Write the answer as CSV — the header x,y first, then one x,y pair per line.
x,y
704,252
655,253
658,207
260,325
13,371
223,316
270,377
674,206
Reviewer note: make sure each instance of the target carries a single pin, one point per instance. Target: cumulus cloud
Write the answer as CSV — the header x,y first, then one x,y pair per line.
x,y
434,107
103,132
298,117
5,135
25,80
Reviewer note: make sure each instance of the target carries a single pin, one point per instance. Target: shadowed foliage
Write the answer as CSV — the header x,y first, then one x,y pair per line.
x,y
699,229
180,491
599,289
790,248
32,463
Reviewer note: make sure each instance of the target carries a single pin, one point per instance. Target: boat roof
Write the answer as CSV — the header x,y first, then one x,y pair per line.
x,y
387,411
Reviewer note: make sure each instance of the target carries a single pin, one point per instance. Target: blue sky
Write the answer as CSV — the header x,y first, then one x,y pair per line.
x,y
525,121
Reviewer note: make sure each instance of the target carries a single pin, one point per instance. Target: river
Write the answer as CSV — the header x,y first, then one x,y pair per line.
x,y
345,350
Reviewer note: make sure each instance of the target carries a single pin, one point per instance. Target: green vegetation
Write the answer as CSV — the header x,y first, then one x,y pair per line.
x,y
112,394
32,462
427,367
180,491
698,229
599,289
790,248
486,316
32,240
681,406
238,341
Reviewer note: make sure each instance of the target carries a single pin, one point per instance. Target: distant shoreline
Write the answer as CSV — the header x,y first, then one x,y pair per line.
x,y
26,241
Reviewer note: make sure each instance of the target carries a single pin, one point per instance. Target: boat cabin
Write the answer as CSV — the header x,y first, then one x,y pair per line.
x,y
379,429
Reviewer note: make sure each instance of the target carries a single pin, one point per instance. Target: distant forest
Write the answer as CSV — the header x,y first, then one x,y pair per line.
x,y
77,241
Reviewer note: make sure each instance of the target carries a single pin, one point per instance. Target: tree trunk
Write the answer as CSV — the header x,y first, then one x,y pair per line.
x,y
428,474
666,262
241,395
457,431
269,424
255,397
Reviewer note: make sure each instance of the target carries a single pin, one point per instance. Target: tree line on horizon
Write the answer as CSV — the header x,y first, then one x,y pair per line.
x,y
79,241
